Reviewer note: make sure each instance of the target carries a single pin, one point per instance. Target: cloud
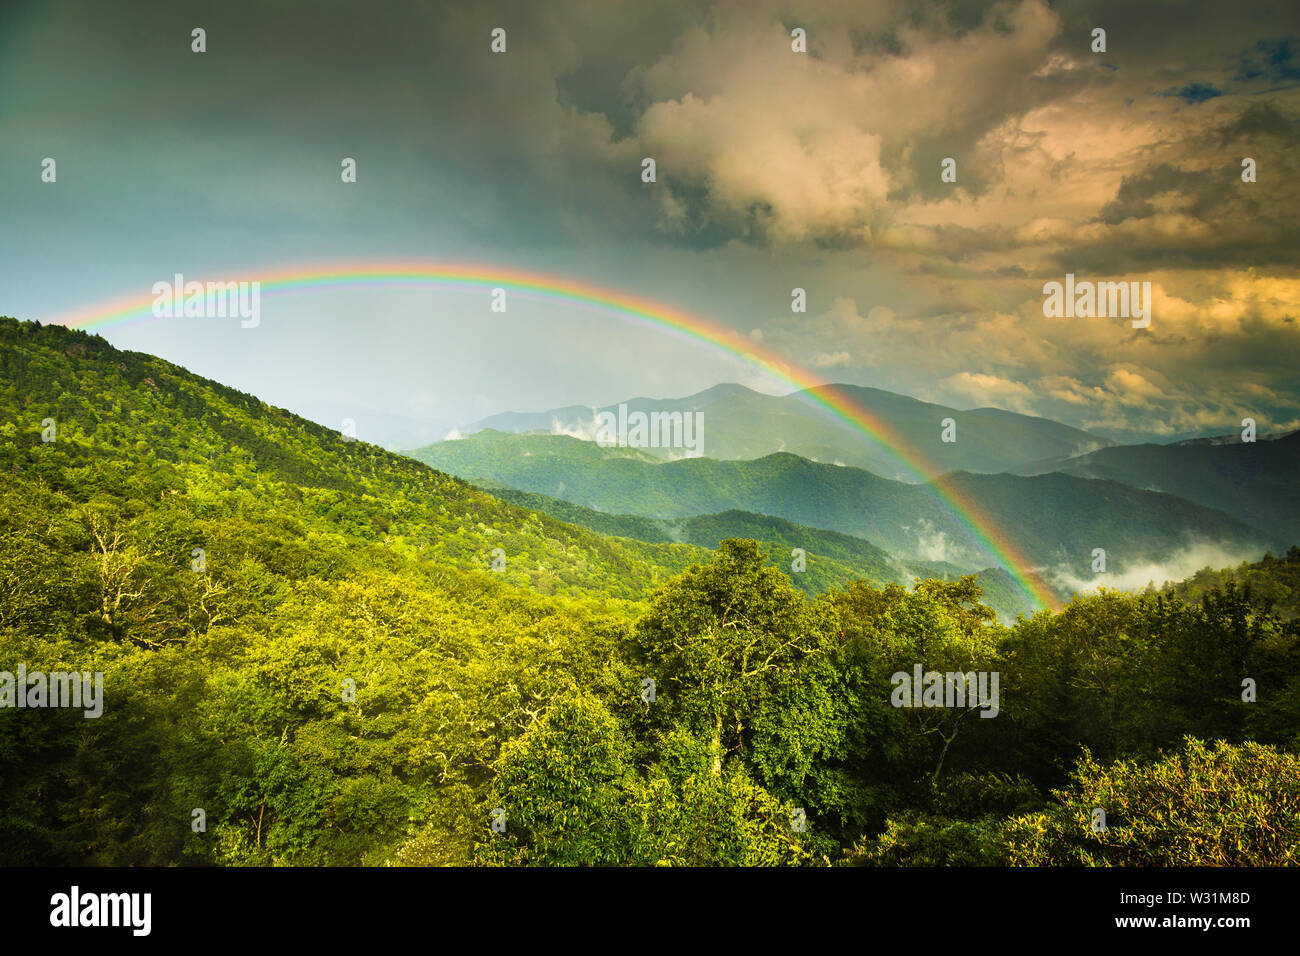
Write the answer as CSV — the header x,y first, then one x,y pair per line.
x,y
1180,565
1221,347
1195,92
1273,59
933,544
584,429
1133,388
779,147
776,170
825,360
990,390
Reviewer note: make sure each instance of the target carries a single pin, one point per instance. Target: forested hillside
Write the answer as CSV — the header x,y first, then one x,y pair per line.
x,y
309,659
834,559
744,424
1056,520
1271,579
150,436
1255,481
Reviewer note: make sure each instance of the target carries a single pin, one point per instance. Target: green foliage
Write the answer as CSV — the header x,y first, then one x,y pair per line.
x,y
561,787
833,560
741,660
919,840
212,453
714,820
329,565
963,826
1058,518
1270,582
1221,805
573,797
1124,675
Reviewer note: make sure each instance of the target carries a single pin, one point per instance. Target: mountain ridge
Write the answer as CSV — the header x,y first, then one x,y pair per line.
x,y
1253,480
743,424
1061,518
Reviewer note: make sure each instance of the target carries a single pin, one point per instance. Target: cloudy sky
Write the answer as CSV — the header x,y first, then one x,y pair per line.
x,y
776,170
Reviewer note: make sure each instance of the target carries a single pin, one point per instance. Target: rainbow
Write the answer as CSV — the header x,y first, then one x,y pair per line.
x,y
640,311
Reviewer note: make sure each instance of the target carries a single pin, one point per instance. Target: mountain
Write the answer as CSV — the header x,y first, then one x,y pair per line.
x,y
1253,481
1056,520
307,639
741,424
134,428
832,560
1272,579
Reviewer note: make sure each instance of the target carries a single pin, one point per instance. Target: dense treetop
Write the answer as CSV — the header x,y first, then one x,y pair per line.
x,y
304,639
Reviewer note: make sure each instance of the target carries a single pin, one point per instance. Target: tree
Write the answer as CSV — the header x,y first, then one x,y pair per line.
x,y
940,626
561,789
1221,805
742,662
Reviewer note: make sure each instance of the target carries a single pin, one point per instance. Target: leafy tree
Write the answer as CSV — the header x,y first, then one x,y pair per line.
x,y
561,786
742,661
1221,805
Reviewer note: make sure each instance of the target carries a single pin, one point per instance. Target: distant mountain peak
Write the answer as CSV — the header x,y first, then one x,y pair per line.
x,y
741,424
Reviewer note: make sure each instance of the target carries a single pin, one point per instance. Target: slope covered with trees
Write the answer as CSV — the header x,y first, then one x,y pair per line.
x,y
832,559
1253,480
1272,579
146,433
1055,520
744,424
308,659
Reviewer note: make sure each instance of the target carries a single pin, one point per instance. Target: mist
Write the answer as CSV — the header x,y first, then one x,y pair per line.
x,y
1181,565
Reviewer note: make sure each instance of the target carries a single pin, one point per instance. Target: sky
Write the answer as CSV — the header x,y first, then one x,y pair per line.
x,y
775,169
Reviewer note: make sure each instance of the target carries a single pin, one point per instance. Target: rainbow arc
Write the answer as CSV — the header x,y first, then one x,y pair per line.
x,y
640,311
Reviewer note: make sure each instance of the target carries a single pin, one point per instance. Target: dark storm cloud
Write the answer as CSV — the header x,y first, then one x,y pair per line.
x,y
544,143
443,130
1241,225
1262,122
1273,60
1135,193
981,103
1195,92
823,168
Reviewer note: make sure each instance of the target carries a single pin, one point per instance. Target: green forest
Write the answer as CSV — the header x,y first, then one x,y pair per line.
x,y
317,652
